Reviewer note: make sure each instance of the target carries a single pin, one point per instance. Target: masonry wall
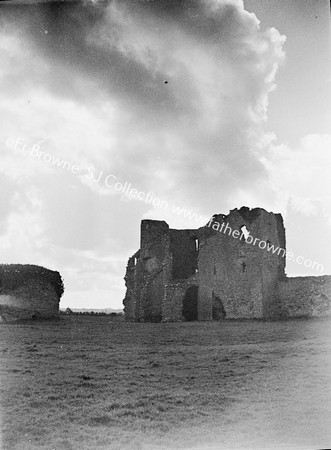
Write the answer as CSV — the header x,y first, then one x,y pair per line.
x,y
24,294
223,274
158,276
175,292
130,300
306,296
242,276
238,290
145,275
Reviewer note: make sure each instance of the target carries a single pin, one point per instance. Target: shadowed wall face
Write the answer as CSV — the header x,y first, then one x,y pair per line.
x,y
190,304
242,275
184,250
29,292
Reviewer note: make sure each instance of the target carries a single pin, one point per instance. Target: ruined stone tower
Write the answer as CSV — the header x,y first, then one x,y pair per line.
x,y
233,267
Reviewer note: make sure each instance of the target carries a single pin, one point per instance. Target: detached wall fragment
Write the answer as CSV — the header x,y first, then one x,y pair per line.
x,y
29,292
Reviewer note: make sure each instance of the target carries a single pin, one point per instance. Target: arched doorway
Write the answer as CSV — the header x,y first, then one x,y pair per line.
x,y
190,304
218,308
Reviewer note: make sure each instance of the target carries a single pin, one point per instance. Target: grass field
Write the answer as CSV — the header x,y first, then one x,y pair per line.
x,y
101,383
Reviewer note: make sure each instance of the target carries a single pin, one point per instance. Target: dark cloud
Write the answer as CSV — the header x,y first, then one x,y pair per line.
x,y
95,74
59,32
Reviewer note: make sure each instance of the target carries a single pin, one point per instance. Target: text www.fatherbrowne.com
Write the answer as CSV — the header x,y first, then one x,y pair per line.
x,y
111,182
245,235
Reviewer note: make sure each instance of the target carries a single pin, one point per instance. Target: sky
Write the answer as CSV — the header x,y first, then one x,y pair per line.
x,y
201,106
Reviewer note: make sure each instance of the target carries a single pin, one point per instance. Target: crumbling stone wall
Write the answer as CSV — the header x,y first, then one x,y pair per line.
x,y
306,296
158,276
145,275
29,292
173,309
215,273
242,276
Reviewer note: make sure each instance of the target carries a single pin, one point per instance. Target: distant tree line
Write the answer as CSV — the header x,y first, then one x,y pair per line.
x,y
13,276
68,311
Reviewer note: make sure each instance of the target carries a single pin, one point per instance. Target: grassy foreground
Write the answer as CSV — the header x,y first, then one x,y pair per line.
x,y
100,383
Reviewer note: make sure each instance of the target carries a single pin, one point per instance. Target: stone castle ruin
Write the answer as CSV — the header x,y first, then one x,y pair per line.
x,y
215,272
29,292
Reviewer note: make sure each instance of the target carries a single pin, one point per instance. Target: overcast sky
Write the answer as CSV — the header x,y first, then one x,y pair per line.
x,y
206,105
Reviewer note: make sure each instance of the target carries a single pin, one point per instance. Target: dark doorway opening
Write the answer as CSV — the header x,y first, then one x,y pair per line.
x,y
190,304
218,309
153,318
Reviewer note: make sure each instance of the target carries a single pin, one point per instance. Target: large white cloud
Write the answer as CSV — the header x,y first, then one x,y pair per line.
x,y
169,96
301,174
